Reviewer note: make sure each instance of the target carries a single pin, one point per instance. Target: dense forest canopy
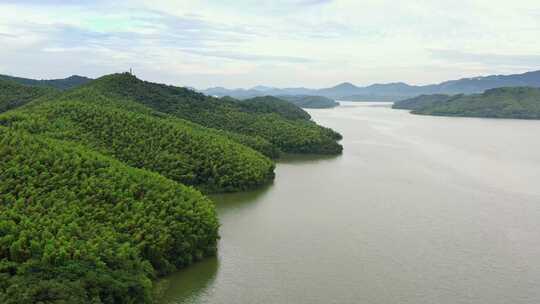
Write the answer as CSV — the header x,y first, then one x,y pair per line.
x,y
13,95
79,227
515,102
421,101
175,148
310,102
251,122
270,104
280,124
98,193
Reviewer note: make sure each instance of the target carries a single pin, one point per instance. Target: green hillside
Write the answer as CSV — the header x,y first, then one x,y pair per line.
x,y
310,102
285,127
270,104
95,198
61,84
13,95
421,101
78,227
129,132
515,102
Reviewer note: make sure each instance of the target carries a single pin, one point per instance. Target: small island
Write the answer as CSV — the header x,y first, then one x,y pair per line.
x,y
510,102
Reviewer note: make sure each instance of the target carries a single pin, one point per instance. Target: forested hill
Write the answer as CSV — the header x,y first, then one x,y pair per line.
x,y
421,101
61,84
310,102
142,138
98,193
79,227
79,223
270,104
13,95
172,99
514,102
285,126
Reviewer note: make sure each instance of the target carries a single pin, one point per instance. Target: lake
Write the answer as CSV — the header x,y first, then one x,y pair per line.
x,y
418,209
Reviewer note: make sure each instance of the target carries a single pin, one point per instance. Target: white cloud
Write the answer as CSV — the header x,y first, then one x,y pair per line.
x,y
280,43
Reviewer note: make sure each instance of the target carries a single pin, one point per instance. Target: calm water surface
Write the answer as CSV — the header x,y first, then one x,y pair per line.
x,y
418,209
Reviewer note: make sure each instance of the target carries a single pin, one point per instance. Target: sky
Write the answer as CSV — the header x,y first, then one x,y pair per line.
x,y
244,43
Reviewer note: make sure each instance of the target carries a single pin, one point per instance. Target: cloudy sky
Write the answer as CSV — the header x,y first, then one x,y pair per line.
x,y
243,43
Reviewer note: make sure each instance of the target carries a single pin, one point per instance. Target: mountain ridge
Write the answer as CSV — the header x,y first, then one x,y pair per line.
x,y
343,91
393,90
60,83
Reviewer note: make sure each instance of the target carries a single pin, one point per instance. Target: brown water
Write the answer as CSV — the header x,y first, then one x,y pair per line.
x,y
418,209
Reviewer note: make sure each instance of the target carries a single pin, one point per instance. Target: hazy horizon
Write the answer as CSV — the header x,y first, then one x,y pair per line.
x,y
305,43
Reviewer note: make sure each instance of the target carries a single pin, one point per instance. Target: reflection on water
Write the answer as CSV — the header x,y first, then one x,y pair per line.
x,y
232,202
417,210
188,285
192,285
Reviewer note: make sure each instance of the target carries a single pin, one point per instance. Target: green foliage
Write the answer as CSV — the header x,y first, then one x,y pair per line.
x,y
93,202
421,101
177,149
255,142
515,102
310,102
270,104
14,95
285,126
61,84
79,227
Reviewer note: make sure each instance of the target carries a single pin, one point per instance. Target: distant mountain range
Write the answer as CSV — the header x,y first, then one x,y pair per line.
x,y
61,84
389,91
344,91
